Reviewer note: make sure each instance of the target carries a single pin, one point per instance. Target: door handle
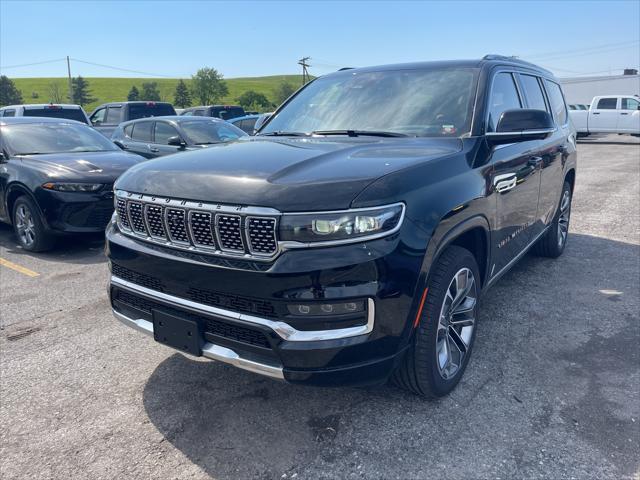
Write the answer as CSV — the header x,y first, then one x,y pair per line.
x,y
534,161
596,113
505,182
623,113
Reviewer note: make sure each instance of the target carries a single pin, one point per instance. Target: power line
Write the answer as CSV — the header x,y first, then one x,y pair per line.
x,y
583,49
6,67
303,62
124,69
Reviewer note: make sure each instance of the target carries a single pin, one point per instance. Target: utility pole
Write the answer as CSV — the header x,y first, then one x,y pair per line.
x,y
70,82
305,73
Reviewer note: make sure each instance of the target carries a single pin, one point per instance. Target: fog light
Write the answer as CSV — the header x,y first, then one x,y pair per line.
x,y
325,309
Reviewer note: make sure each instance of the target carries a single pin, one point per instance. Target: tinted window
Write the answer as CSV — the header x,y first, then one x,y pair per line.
x,y
98,116
630,104
556,100
247,125
144,110
163,132
199,113
504,96
128,130
607,104
53,112
142,131
54,138
228,113
572,107
203,133
533,92
113,115
9,113
188,113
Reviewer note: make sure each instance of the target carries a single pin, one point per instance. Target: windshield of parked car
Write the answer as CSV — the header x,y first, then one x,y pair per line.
x,y
56,112
420,102
33,139
206,132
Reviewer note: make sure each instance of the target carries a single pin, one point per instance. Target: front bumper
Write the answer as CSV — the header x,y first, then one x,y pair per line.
x,y
71,212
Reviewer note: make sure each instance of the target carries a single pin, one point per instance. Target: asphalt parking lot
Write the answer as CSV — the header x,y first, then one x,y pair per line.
x,y
552,391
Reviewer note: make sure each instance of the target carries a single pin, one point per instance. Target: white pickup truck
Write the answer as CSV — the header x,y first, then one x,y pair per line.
x,y
609,114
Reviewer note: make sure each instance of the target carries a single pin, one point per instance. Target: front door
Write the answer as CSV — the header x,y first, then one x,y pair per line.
x,y
163,131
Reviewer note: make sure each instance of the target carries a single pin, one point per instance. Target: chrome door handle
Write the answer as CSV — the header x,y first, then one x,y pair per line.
x,y
623,113
596,113
505,182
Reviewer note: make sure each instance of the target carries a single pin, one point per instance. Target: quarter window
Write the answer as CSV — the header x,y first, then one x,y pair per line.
x,y
163,132
142,131
630,104
607,104
128,130
556,100
504,96
533,92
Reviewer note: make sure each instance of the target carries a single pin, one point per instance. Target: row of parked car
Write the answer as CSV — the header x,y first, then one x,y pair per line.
x,y
58,164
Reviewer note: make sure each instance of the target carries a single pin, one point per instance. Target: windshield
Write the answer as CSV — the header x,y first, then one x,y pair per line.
x,y
202,133
428,102
56,112
34,139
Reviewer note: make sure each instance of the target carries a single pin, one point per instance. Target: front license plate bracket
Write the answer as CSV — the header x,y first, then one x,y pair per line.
x,y
176,332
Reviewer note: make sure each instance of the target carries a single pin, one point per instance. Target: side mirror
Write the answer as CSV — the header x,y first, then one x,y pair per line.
x,y
176,141
521,125
3,157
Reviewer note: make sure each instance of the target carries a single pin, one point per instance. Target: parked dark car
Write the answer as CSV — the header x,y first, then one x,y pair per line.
x,y
350,241
165,135
49,110
225,112
108,116
56,177
246,123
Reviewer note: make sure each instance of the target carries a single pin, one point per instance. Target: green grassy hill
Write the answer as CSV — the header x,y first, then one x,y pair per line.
x,y
116,89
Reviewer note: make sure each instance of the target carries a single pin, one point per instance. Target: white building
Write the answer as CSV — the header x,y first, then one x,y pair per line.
x,y
583,89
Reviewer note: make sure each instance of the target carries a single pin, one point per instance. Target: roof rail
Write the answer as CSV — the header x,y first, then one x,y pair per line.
x,y
345,68
513,59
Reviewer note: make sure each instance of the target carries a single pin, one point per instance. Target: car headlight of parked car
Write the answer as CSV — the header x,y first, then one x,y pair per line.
x,y
342,226
73,187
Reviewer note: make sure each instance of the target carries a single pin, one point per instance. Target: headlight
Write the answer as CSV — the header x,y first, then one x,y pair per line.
x,y
73,187
342,226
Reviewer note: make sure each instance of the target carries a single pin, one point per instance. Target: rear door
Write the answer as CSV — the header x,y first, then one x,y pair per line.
x,y
163,131
604,116
629,115
515,180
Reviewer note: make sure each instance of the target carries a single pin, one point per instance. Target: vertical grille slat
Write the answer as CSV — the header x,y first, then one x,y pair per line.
x,y
211,229
229,232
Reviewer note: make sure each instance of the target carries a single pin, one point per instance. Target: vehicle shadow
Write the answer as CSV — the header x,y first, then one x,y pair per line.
x,y
77,249
235,424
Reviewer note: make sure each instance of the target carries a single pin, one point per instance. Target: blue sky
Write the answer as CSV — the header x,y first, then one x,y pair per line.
x,y
175,38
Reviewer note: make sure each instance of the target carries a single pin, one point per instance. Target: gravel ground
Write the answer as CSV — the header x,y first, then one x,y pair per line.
x,y
551,392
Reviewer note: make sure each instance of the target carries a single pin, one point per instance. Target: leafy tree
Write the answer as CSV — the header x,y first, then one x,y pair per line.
x,y
81,92
55,93
254,101
134,94
9,94
208,86
150,92
284,91
182,96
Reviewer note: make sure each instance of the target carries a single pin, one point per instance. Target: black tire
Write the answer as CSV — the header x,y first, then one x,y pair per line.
x,y
553,243
419,370
28,226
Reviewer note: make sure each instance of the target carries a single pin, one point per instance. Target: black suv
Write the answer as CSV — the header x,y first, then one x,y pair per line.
x,y
350,241
108,116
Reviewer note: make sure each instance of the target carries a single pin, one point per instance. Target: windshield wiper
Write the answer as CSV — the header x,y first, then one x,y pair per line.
x,y
28,153
359,133
281,133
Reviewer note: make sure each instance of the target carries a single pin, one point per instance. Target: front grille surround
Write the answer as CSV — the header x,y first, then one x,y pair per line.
x,y
213,229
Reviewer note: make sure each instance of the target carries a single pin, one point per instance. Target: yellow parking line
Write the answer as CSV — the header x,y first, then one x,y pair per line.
x,y
18,268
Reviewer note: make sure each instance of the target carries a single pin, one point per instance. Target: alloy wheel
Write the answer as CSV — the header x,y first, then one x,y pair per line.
x,y
25,225
563,219
456,323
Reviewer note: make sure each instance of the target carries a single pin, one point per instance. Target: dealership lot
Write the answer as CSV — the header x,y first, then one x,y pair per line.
x,y
551,391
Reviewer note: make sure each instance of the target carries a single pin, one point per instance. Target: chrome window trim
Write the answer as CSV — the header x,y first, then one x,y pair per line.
x,y
282,329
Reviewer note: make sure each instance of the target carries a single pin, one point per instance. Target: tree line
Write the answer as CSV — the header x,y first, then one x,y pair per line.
x,y
207,87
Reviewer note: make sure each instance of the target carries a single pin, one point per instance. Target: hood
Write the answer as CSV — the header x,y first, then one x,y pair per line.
x,y
287,174
83,165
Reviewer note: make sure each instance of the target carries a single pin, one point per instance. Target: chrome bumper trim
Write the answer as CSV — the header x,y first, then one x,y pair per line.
x,y
282,329
209,350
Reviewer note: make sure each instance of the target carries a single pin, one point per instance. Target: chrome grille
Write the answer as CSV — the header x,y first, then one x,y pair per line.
x,y
195,226
262,234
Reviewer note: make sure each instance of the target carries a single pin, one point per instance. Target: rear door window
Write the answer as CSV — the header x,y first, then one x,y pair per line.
x,y
504,96
142,131
556,99
533,92
630,104
114,114
10,113
607,104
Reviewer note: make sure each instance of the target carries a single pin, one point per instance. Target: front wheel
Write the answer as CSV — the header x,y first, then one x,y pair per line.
x,y
29,227
443,339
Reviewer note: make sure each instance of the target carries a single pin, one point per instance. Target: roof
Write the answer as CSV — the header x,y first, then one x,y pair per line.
x,y
44,105
214,106
176,118
136,102
27,120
